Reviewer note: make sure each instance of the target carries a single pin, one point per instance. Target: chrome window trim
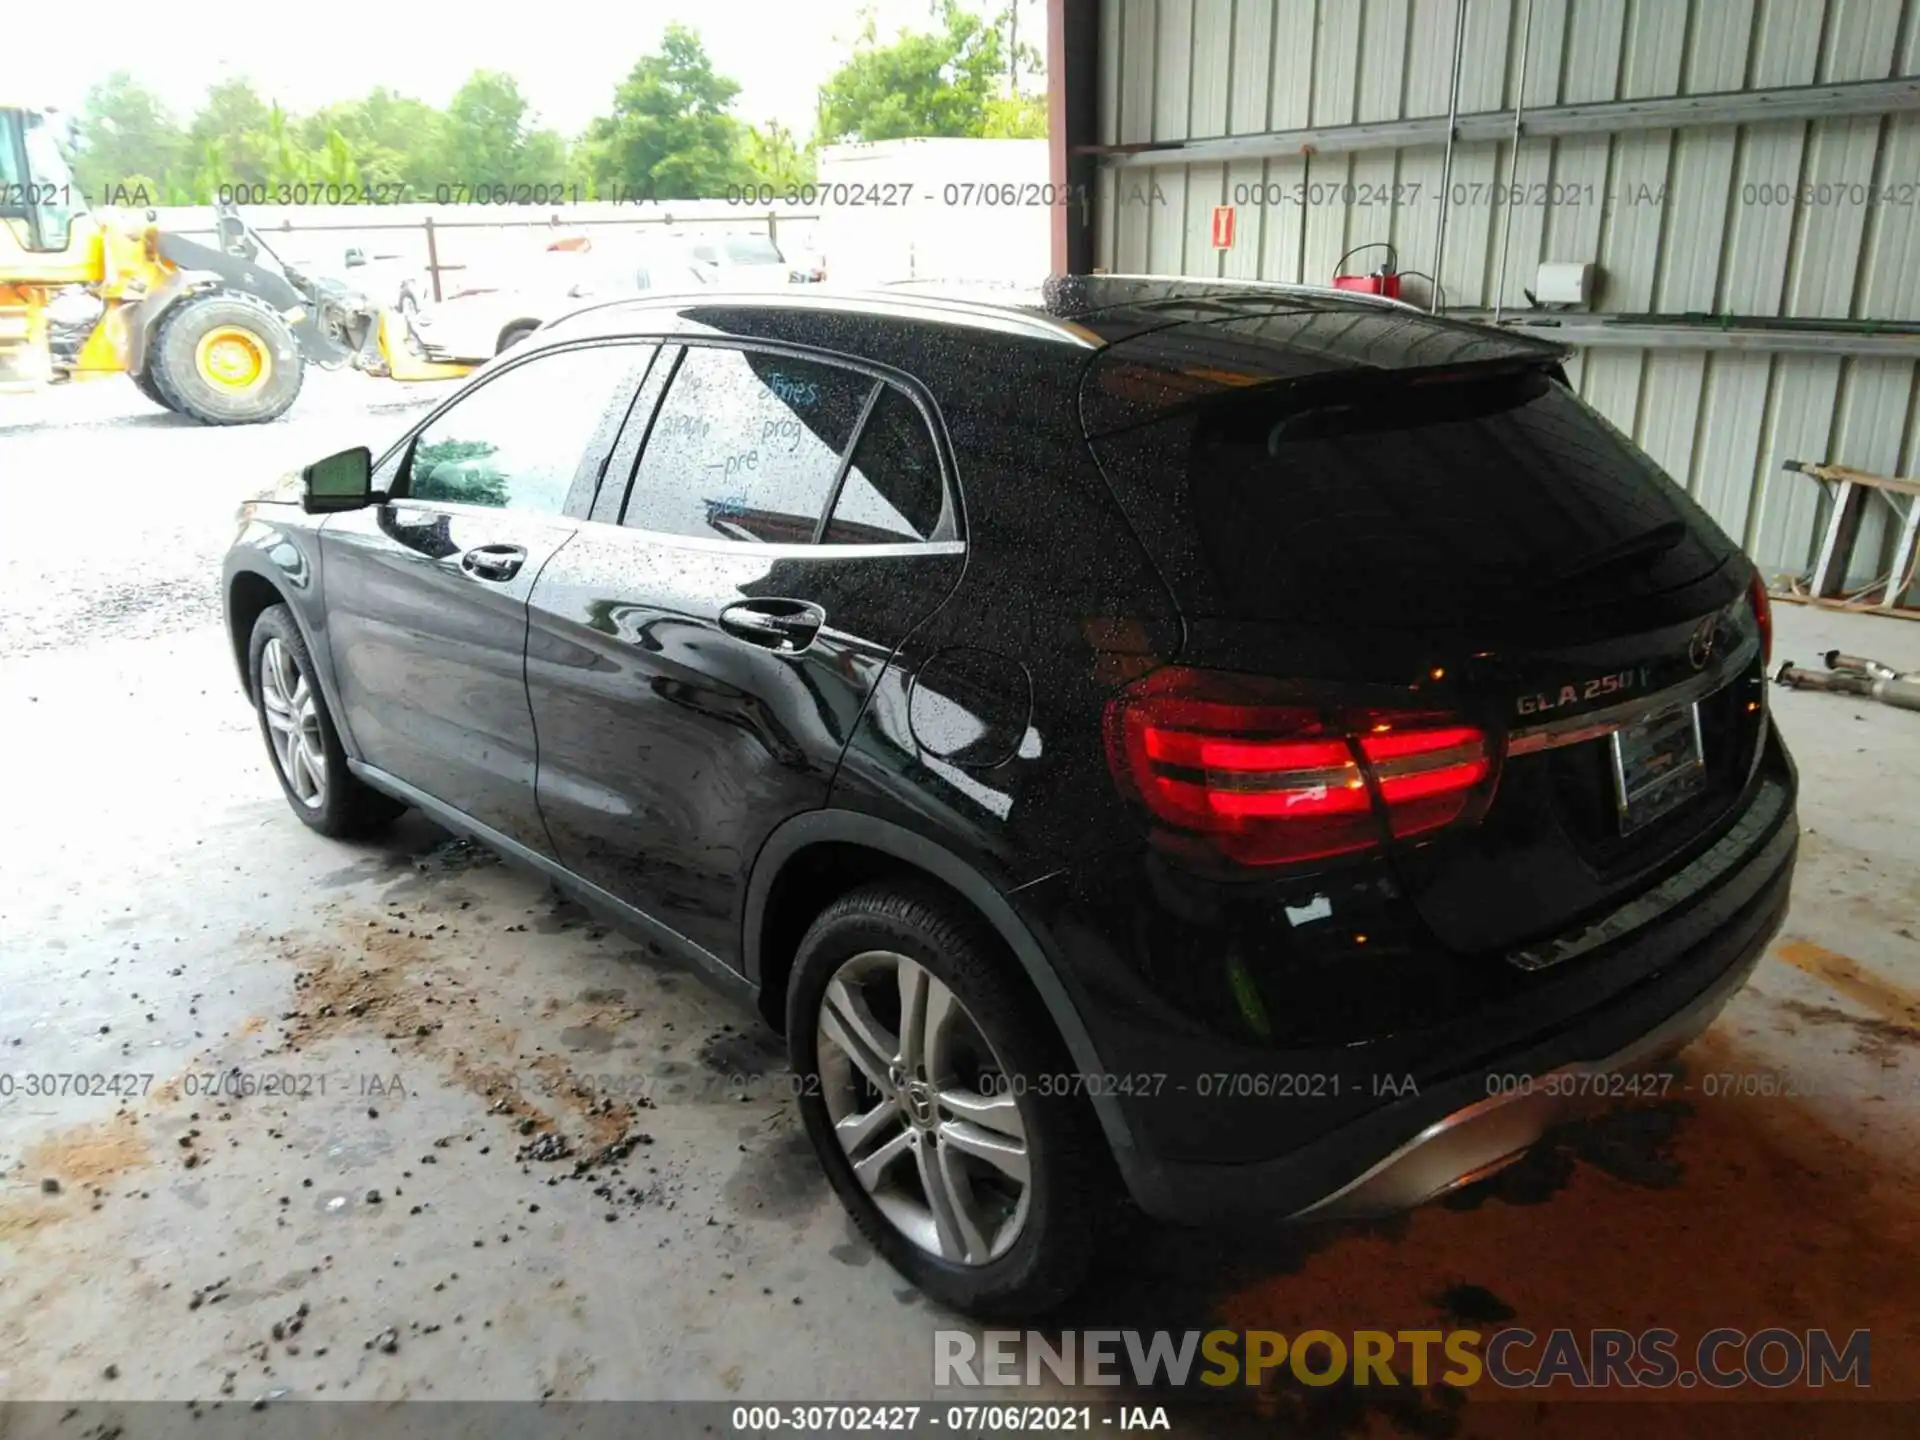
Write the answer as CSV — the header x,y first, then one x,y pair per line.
x,y
783,550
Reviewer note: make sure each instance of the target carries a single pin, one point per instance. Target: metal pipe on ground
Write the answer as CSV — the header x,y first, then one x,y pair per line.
x,y
1837,660
1881,683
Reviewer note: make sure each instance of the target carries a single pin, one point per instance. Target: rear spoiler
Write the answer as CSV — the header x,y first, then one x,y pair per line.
x,y
1351,385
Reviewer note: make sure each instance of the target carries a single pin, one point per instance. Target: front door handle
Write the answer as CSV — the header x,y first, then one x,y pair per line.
x,y
785,626
494,562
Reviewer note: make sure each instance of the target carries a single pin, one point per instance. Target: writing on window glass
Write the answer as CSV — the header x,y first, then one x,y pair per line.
x,y
794,392
679,425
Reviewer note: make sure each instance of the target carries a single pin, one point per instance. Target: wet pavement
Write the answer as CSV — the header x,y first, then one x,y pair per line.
x,y
393,1121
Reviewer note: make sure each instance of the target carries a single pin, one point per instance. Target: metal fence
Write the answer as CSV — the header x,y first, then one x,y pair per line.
x,y
443,241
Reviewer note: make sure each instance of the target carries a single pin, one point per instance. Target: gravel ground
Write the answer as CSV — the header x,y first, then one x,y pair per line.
x,y
116,512
513,1155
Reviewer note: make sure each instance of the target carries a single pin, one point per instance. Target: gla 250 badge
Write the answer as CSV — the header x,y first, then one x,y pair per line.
x,y
1620,682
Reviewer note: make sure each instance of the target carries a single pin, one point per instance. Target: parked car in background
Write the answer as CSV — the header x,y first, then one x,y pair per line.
x,y
1270,753
478,323
745,262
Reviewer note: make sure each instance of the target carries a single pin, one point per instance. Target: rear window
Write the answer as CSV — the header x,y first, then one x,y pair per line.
x,y
1394,503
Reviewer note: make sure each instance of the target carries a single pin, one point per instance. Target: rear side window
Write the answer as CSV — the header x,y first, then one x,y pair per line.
x,y
1392,504
892,492
746,446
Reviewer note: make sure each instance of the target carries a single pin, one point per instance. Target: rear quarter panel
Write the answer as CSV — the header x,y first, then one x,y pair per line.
x,y
985,732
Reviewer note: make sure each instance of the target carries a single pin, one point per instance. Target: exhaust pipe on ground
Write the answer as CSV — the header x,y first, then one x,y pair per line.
x,y
1837,660
1853,675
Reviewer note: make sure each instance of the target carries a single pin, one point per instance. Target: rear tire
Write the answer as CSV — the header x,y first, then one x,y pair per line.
x,y
302,743
1002,1238
184,364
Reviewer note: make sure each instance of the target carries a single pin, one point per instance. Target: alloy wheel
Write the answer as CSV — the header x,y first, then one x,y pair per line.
x,y
292,712
923,1108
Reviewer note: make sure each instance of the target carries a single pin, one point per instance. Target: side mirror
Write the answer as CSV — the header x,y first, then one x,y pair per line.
x,y
355,259
339,482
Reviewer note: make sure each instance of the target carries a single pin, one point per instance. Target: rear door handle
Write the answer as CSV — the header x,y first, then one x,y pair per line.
x,y
494,562
785,626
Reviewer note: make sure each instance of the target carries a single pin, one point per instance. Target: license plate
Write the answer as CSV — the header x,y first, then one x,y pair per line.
x,y
1658,764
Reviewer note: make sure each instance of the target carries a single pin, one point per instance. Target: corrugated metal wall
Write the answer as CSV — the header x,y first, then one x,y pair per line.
x,y
1676,220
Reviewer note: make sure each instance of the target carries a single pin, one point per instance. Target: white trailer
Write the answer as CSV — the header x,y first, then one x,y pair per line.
x,y
932,209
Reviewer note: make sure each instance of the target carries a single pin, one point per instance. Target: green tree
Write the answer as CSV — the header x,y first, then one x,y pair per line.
x,y
543,160
286,160
928,84
672,133
123,133
1014,117
773,157
487,138
234,121
334,163
396,140
204,184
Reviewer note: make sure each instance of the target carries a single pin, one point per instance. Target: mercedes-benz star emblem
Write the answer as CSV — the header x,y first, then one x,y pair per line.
x,y
1700,647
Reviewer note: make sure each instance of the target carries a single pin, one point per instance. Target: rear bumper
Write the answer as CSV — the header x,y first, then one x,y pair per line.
x,y
1486,1135
1411,1150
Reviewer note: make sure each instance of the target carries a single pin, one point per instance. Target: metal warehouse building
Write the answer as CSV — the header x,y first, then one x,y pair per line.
x,y
1743,177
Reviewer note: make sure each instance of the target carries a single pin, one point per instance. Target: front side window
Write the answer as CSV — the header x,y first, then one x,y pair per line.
x,y
516,442
746,446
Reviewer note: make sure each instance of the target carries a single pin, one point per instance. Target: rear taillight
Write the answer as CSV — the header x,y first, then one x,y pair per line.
x,y
1763,617
1222,763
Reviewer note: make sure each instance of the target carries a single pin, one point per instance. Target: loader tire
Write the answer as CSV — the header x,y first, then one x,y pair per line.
x,y
143,382
225,358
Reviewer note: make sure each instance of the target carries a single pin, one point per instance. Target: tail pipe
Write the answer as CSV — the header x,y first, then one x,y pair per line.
x,y
1855,675
1838,660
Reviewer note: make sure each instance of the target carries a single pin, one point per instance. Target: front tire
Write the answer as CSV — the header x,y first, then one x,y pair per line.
x,y
933,1089
302,743
143,382
225,358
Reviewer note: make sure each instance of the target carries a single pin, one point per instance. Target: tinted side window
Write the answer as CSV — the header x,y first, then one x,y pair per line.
x,y
892,491
745,446
516,442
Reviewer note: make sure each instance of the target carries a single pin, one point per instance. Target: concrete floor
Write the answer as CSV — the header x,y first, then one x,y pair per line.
x,y
162,917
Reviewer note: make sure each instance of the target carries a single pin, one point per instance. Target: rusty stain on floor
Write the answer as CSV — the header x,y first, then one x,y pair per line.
x,y
1761,1217
78,1160
1848,978
90,1154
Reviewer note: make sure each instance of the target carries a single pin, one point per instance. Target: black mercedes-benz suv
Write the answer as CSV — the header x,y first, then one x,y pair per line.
x,y
1249,749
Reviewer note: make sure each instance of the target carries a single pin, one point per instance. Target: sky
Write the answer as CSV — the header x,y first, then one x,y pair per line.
x,y
567,55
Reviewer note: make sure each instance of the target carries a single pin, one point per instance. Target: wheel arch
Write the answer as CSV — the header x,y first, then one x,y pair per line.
x,y
847,848
250,594
254,583
526,322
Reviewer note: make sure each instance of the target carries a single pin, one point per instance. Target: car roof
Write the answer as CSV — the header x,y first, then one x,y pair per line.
x,y
1245,331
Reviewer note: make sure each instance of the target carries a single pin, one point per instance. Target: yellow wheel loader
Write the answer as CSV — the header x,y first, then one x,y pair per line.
x,y
221,333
